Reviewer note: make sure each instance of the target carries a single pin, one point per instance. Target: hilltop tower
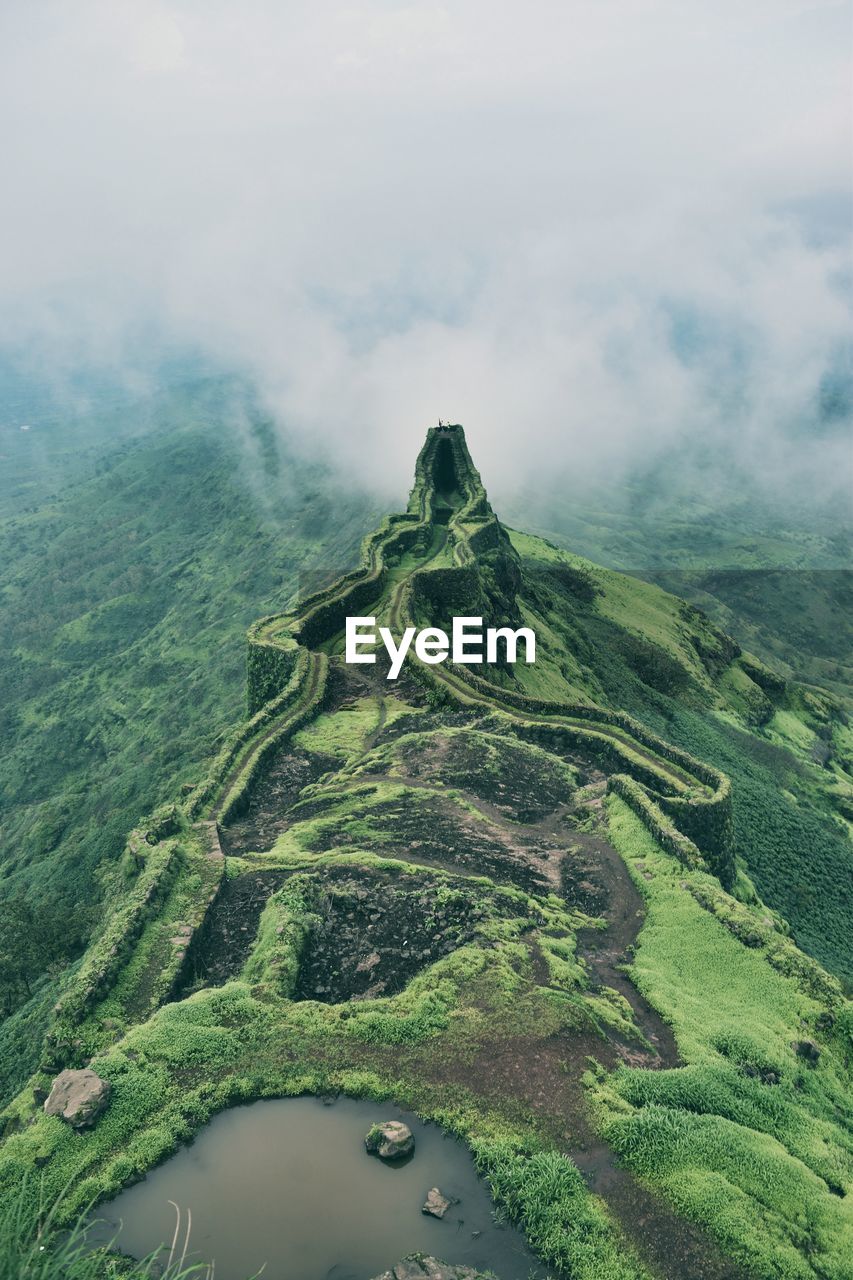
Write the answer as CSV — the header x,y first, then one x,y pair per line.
x,y
446,554
479,572
445,473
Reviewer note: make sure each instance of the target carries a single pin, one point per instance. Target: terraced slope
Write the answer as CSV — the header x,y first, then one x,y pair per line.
x,y
505,903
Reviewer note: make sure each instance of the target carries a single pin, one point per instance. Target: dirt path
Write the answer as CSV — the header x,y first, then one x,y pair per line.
x,y
373,737
674,1248
607,952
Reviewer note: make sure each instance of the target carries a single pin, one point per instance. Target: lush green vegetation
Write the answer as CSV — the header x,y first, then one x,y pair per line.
x,y
635,647
747,1136
797,618
438,796
126,596
249,1040
775,575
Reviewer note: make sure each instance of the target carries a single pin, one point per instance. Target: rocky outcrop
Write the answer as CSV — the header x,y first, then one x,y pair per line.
x,y
78,1097
390,1140
808,1050
421,1266
436,1204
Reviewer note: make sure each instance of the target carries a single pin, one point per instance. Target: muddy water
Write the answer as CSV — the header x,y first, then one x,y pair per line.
x,y
288,1183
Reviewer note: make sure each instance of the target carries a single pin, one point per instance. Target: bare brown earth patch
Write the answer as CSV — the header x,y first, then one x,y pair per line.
x,y
266,815
222,945
522,784
374,933
431,828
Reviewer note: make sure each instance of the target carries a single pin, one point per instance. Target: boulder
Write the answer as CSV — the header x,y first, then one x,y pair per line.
x,y
436,1204
78,1097
421,1266
767,1075
808,1050
390,1140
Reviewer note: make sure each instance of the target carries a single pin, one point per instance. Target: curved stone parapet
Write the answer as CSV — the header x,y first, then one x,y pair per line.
x,y
468,562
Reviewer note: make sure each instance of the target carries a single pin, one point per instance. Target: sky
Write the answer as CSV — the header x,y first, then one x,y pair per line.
x,y
597,232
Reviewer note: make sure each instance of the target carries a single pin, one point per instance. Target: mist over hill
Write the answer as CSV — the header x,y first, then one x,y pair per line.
x,y
141,535
405,311
176,516
573,234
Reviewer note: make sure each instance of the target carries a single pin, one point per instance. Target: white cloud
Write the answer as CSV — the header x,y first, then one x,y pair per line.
x,y
486,211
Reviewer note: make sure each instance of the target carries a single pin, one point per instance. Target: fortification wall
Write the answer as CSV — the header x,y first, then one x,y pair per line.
x,y
693,822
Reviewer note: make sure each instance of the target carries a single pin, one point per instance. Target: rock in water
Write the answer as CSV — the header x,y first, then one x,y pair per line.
x,y
435,1203
391,1140
421,1266
78,1097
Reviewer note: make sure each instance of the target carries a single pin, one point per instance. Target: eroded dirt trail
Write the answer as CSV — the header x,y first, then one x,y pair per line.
x,y
547,1077
590,875
607,952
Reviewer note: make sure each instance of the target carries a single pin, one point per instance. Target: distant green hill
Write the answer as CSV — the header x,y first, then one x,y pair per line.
x,y
801,620
774,573
787,748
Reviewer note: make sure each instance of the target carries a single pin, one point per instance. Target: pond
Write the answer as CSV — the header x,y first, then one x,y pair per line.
x,y
288,1184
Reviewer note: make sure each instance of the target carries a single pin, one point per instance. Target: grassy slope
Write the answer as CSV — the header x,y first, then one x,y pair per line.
x,y
800,620
778,580
125,597
248,1039
126,603
749,1152
631,645
753,1162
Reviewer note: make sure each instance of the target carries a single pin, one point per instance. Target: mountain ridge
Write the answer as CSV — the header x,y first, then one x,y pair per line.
x,y
564,868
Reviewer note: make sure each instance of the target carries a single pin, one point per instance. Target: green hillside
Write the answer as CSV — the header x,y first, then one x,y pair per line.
x,y
773,573
589,915
126,590
787,748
